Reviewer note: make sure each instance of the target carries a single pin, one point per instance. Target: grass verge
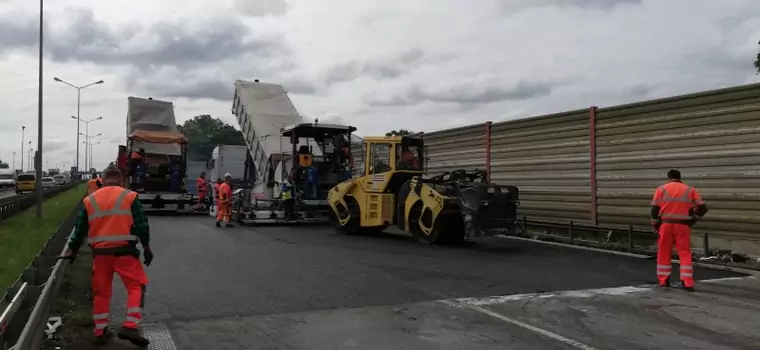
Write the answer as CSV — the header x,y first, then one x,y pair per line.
x,y
74,305
23,235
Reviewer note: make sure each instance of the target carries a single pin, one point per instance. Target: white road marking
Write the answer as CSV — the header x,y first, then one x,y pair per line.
x,y
476,304
586,293
541,331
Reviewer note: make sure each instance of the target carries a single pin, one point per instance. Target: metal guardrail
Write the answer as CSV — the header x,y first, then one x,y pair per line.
x,y
13,205
620,238
28,301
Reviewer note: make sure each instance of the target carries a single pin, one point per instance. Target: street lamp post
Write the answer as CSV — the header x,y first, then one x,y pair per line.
x,y
38,185
86,134
79,98
14,161
87,149
91,149
22,147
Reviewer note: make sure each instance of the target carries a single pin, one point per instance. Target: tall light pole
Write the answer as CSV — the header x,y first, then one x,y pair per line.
x,y
87,150
22,148
14,161
38,185
79,98
29,160
91,149
86,132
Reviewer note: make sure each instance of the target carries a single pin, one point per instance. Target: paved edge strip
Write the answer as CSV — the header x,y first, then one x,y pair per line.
x,y
476,303
635,255
541,331
159,336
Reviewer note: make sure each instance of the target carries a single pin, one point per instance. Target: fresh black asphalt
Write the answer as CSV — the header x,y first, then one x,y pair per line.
x,y
204,272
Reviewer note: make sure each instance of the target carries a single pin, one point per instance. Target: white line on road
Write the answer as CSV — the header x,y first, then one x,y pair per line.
x,y
477,303
535,329
586,293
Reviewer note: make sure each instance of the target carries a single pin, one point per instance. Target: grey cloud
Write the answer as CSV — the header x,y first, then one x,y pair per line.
x,y
195,87
516,5
259,8
54,145
79,36
465,94
384,68
212,89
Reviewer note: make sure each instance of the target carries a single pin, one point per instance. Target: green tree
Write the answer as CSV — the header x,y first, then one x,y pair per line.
x,y
204,133
400,132
757,61
4,165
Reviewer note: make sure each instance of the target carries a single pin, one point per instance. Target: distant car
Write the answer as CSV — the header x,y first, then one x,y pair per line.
x,y
25,183
48,182
60,180
7,178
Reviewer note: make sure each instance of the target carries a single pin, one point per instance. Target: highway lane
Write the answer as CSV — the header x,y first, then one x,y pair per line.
x,y
310,288
7,192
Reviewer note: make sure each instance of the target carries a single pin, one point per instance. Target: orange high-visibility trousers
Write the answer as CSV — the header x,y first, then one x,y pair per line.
x,y
224,212
131,272
681,234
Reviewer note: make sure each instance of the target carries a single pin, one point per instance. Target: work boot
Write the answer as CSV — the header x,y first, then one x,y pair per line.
x,y
666,284
229,225
218,224
133,336
105,337
688,289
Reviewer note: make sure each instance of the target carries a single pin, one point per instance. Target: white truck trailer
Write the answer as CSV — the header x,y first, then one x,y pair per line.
x,y
160,180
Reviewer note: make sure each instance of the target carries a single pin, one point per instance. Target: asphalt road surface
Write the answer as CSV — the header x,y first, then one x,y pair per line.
x,y
310,288
7,192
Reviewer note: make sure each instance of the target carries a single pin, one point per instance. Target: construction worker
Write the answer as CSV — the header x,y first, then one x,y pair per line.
x,y
218,183
113,222
408,160
202,187
287,197
224,210
135,159
676,207
93,184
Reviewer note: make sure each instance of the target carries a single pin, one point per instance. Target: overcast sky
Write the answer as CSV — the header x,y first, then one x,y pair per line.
x,y
379,65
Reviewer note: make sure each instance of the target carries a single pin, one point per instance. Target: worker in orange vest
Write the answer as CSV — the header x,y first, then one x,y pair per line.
x,y
202,187
408,159
93,184
676,207
224,209
113,222
218,183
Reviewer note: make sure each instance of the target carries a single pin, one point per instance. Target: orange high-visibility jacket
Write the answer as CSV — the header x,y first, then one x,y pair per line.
x,y
676,201
93,185
225,193
109,217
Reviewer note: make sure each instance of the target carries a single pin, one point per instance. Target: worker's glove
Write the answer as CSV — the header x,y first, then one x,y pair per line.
x,y
68,255
148,255
655,226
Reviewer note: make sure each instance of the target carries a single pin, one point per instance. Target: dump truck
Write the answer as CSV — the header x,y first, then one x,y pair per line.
x,y
280,144
159,180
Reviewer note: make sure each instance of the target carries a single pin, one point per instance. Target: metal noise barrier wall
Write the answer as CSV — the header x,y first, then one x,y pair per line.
x,y
601,166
